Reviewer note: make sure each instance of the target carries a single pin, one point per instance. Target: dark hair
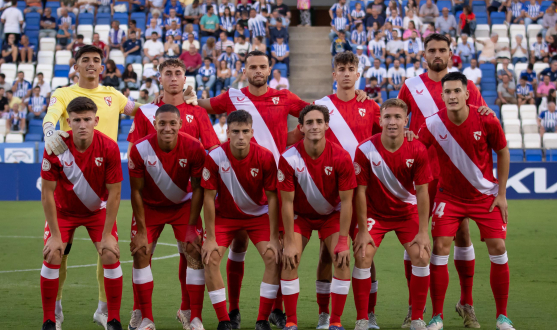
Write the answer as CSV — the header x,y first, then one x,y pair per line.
x,y
81,104
239,116
145,91
207,59
167,108
550,97
124,90
454,76
154,32
80,36
530,66
437,37
313,107
174,62
20,72
10,91
394,103
346,57
373,78
358,24
242,37
88,49
3,76
40,73
37,87
14,2
256,53
112,65
133,21
149,80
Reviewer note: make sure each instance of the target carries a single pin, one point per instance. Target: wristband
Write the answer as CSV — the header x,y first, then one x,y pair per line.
x,y
48,129
191,233
342,244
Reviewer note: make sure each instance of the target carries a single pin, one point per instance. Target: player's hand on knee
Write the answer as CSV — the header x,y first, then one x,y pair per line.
x,y
108,243
138,242
290,257
54,248
342,252
53,141
362,239
192,239
410,135
501,202
275,246
208,248
424,244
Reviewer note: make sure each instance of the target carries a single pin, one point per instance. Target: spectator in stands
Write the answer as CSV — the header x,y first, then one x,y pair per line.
x,y
175,32
429,30
36,105
241,31
207,4
209,49
153,5
547,120
21,87
257,24
543,88
190,41
465,49
144,97
229,56
505,70
152,89
239,79
105,7
413,48
87,6
357,15
9,50
525,92
220,128
172,17
551,71
333,11
12,100
228,22
411,30
65,17
467,21
514,12
243,20
112,75
259,45
378,72
226,4
396,76
43,85
153,48
206,75
98,43
138,6
488,51
153,28
274,17
412,17
192,60
358,37
134,29
132,49
243,6
373,90
280,30
531,13
473,73
414,70
429,12
451,67
47,24
446,23
520,50
395,49
171,48
394,19
551,35
339,23
192,13
284,10
3,100
26,50
209,23
377,47
495,6
3,83
223,43
549,18
33,6
278,82
374,18
12,18
16,120
188,28
224,73
506,91
363,61
280,53
379,6
129,77
116,36
126,93
539,50
242,48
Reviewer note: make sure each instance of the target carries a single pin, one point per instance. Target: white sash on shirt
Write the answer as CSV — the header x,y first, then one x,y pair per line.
x,y
340,127
155,169
421,96
228,176
459,157
149,111
261,132
81,187
385,175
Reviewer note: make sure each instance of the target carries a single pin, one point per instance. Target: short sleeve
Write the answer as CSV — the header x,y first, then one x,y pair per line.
x,y
136,166
198,161
139,127
113,171
475,95
210,174
207,133
269,172
425,136
361,168
220,103
50,169
285,176
404,96
295,104
495,135
345,173
422,172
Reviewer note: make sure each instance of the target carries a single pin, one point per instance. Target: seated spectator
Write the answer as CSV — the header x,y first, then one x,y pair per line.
x,y
551,35
551,71
47,24
157,5
543,88
87,6
190,40
549,18
280,31
446,23
377,47
467,21
209,23
280,53
192,13
495,6
241,31
506,91
129,77
4,84
228,22
209,49
43,85
451,68
414,71
188,28
172,18
3,100
514,12
375,18
16,119
74,46
12,100
259,45
112,75
223,43
21,87
206,75
74,81
547,119
359,36
243,20
64,17
242,48
275,17
205,94
396,76
152,89
429,12
192,60
144,97
373,90
393,5
33,6
26,50
388,31
358,14
525,92
137,6
539,50
134,29
473,73
395,49
173,5
226,4
105,7
505,70
394,19
378,72
153,28
363,62
430,29
207,4
257,24
411,29
488,51
153,49
411,16
465,48
279,82
229,56
530,75
220,128
339,23
64,36
413,48
116,36
9,50
171,48
132,49
36,105
340,45
239,79
126,92
174,32
531,13
224,73
98,43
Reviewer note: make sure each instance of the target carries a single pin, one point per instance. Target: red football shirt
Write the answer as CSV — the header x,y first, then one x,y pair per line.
x,y
240,184
195,122
391,177
273,108
82,177
166,173
464,153
316,182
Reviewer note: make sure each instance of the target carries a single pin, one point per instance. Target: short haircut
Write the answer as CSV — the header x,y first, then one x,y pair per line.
x,y
37,87
172,62
437,37
9,91
530,66
80,36
149,80
394,103
167,108
88,49
20,72
206,59
373,79
454,76
81,104
125,89
242,37
154,32
313,107
256,53
3,76
145,91
239,116
346,57
40,74
133,21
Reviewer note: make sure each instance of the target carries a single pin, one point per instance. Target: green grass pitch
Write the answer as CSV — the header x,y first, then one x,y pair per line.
x,y
531,247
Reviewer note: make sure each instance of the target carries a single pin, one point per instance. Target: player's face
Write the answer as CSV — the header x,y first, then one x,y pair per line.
x,y
173,79
83,124
346,75
454,95
314,126
168,125
393,120
89,66
257,70
437,55
239,134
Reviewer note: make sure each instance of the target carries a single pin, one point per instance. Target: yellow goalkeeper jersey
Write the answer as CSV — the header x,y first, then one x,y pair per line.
x,y
110,104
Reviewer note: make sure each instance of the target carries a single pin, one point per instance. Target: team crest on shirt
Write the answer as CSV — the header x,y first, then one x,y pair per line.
x,y
98,161
254,172
206,174
477,135
328,170
189,118
131,165
46,165
52,101
183,162
108,100
357,168
409,162
280,176
362,111
276,100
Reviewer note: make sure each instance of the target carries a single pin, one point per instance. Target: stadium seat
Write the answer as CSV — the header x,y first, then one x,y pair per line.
x,y
509,111
517,29
281,67
104,19
1,138
514,140
497,17
47,71
518,68
63,57
121,17
10,70
33,137
539,67
85,30
138,69
511,126
85,19
134,95
122,136
517,155
3,127
528,111
32,20
35,126
495,109
14,138
500,66
48,44
529,126
59,82
28,71
533,155
550,141
102,30
532,141
502,30
482,31
190,81
444,4
61,70
533,30
117,56
45,57
393,94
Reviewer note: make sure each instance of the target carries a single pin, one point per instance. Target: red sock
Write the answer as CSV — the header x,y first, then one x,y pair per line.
x,y
49,290
408,274
278,301
135,300
182,273
234,277
339,292
372,297
323,290
267,297
290,291
439,282
196,289
218,299
465,262
499,280
419,284
361,280
143,289
113,283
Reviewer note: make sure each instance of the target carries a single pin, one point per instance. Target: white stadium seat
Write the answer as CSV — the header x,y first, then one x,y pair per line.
x,y
528,111
190,81
138,69
518,68
103,30
85,30
1,138
514,141
482,31
533,30
3,127
500,66
529,126
28,71
532,141
14,138
58,81
134,95
539,67
45,57
117,56
479,46
509,111
63,57
517,29
10,70
48,44
87,41
550,140
502,30
511,126
47,70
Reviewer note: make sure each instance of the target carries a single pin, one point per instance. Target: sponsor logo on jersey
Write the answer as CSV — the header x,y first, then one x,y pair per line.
x,y
420,92
152,163
225,167
376,164
357,168
108,100
131,165
362,111
206,174
331,112
477,135
280,176
328,170
46,165
276,100
300,169
504,228
189,118
132,128
183,162
240,99
443,137
409,162
98,161
254,172
52,101
68,165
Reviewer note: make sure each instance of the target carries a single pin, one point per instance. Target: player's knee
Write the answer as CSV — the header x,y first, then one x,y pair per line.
x,y
55,258
496,247
361,261
269,259
108,258
440,246
325,258
214,261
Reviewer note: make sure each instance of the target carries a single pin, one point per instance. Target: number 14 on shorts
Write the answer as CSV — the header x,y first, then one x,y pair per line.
x,y
439,210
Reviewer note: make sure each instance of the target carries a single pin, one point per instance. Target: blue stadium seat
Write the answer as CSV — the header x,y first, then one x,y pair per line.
x,y
497,17
533,155
496,109
489,93
86,19
481,20
393,94
494,156
551,155
125,129
61,70
32,19
281,67
103,19
35,127
120,67
122,136
362,83
53,5
29,137
479,8
21,5
445,4
384,96
126,122
517,155
489,99
121,17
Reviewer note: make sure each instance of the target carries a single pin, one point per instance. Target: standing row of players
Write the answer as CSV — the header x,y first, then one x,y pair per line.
x,y
315,183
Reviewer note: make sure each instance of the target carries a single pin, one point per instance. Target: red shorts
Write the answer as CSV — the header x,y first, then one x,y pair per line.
x,y
432,190
68,224
448,215
177,217
259,229
325,226
405,230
